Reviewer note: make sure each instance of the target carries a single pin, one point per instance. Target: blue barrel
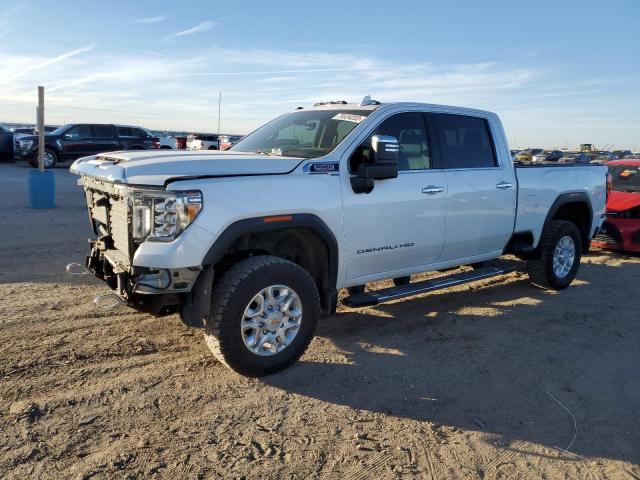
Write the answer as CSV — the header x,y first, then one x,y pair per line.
x,y
42,189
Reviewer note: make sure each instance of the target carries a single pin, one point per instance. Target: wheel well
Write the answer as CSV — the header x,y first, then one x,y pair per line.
x,y
300,245
579,214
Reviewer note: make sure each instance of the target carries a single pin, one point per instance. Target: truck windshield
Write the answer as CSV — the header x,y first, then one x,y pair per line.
x,y
625,178
303,134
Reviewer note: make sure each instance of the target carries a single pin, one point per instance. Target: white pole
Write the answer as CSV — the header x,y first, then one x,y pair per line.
x,y
219,103
41,128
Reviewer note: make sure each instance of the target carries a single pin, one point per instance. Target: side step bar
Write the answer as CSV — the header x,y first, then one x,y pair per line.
x,y
367,299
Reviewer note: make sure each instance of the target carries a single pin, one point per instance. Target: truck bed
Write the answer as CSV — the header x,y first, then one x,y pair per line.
x,y
541,184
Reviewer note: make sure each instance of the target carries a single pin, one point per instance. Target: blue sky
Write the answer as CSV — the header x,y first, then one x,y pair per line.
x,y
556,71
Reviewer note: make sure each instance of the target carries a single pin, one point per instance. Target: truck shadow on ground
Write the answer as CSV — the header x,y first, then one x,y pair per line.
x,y
487,360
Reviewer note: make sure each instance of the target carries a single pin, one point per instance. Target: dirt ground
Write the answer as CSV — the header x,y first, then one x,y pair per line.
x,y
479,381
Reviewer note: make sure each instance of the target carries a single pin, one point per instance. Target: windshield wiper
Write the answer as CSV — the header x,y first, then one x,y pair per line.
x,y
263,152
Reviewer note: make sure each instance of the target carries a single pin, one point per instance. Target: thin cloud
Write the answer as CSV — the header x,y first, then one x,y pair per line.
x,y
158,19
199,28
39,65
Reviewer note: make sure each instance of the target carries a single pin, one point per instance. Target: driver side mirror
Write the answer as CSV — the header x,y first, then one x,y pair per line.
x,y
67,136
383,163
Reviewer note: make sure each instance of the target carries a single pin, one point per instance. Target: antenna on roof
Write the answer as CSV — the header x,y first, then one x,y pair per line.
x,y
367,101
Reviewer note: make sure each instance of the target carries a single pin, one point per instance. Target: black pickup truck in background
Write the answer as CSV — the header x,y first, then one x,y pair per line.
x,y
71,142
6,144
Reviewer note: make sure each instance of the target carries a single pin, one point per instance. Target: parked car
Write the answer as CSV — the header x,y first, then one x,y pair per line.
x,y
6,144
620,154
166,142
527,155
226,141
575,158
203,142
621,230
181,143
547,156
254,246
73,141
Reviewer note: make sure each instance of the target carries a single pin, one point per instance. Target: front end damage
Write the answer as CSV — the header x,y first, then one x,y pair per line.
x,y
158,291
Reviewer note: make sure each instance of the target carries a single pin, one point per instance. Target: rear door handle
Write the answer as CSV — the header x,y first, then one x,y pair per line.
x,y
432,190
504,185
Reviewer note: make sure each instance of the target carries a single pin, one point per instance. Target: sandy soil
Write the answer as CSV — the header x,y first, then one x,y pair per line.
x,y
469,383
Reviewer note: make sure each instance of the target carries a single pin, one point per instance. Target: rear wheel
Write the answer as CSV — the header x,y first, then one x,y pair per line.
x,y
264,313
559,259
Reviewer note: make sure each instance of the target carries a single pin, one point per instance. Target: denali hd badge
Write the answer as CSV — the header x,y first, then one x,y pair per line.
x,y
324,167
386,247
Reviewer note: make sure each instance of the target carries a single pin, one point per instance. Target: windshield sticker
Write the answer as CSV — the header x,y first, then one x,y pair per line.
x,y
349,117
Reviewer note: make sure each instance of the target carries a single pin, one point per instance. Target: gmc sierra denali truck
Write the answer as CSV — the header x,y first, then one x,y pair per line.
x,y
253,244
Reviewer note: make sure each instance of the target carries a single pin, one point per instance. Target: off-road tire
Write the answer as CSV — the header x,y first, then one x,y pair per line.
x,y
540,269
233,293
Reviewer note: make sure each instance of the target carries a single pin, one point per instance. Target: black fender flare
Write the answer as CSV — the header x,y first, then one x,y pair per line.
x,y
563,199
267,224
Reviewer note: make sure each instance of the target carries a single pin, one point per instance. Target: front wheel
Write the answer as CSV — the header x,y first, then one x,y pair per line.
x,y
264,313
559,259
50,159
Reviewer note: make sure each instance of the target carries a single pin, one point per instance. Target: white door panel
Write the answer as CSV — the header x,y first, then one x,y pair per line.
x,y
480,212
396,226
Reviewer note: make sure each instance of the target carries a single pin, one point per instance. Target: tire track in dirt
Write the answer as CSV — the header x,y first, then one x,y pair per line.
x,y
506,455
371,466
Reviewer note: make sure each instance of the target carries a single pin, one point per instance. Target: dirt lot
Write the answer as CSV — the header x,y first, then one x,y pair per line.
x,y
470,383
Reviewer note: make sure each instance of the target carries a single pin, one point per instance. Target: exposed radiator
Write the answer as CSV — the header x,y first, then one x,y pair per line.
x,y
119,222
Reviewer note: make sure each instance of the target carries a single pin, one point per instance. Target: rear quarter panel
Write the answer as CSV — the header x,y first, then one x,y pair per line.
x,y
540,186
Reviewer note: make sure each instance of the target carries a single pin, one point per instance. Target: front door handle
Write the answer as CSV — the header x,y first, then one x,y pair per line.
x,y
504,185
432,190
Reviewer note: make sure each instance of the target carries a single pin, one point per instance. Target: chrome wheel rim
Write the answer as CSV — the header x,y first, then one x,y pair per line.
x,y
48,159
271,320
563,256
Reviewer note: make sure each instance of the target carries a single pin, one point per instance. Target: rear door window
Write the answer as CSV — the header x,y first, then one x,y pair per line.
x,y
465,141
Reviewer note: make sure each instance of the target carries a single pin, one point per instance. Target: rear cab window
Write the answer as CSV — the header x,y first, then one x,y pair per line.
x,y
465,141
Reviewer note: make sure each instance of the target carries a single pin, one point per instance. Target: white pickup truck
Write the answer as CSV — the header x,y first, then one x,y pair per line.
x,y
253,244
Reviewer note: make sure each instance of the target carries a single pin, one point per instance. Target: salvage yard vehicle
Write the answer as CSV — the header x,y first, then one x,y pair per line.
x,y
253,244
621,229
226,141
547,156
203,142
6,144
73,141
527,155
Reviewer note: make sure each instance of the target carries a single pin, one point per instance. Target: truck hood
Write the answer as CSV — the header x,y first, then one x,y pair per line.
x,y
620,201
159,167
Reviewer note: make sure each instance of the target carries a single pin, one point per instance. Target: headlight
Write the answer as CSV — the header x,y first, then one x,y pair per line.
x,y
25,143
163,216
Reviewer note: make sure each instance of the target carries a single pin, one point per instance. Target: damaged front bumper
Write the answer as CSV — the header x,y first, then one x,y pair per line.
x,y
159,291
